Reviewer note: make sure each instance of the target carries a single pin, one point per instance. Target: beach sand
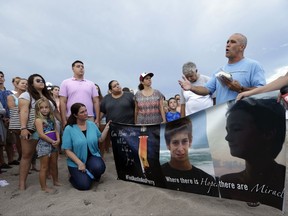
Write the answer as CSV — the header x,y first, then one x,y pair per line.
x,y
113,197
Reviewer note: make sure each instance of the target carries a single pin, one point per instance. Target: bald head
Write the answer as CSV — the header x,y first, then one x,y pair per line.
x,y
241,38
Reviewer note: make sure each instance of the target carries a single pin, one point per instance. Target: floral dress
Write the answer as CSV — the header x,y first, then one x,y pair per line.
x,y
149,108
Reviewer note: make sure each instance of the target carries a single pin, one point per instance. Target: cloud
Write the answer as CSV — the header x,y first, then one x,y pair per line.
x,y
121,39
284,45
277,73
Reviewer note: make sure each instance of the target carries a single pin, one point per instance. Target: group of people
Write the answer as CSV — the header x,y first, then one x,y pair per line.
x,y
74,111
39,117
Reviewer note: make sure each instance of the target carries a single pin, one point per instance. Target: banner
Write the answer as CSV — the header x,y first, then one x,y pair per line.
x,y
233,150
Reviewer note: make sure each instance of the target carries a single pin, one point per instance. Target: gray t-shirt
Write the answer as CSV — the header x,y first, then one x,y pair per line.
x,y
120,109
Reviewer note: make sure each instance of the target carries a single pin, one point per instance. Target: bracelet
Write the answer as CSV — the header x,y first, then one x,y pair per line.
x,y
23,128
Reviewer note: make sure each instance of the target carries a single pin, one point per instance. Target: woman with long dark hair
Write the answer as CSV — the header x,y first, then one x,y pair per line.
x,y
36,89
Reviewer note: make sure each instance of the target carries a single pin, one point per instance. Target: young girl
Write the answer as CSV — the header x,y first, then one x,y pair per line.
x,y
48,142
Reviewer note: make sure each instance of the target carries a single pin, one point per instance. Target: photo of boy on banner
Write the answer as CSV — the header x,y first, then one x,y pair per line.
x,y
179,172
136,153
235,152
256,130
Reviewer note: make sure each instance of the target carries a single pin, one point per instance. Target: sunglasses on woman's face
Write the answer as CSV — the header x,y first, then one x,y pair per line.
x,y
39,80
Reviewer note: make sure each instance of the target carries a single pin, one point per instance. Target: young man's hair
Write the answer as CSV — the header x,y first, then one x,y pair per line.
x,y
269,116
172,98
177,126
77,61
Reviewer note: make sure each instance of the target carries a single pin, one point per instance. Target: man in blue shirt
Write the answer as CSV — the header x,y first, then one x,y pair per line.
x,y
245,74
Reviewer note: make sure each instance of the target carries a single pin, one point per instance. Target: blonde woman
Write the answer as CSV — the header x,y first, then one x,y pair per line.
x,y
14,125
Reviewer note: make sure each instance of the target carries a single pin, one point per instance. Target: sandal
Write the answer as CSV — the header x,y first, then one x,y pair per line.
x,y
253,204
5,166
14,162
34,169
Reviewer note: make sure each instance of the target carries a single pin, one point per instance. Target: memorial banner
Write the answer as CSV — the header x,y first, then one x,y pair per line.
x,y
233,150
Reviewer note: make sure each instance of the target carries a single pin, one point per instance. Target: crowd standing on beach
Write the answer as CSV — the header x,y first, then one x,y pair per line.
x,y
74,117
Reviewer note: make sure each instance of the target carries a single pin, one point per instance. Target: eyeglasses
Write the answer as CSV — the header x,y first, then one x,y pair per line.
x,y
39,80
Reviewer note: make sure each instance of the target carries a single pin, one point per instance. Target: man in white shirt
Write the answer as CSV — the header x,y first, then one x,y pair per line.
x,y
191,102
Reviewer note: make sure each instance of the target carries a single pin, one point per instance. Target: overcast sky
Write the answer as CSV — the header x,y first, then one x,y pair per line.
x,y
121,39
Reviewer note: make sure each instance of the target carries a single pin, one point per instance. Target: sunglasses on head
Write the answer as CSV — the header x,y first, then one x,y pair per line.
x,y
39,80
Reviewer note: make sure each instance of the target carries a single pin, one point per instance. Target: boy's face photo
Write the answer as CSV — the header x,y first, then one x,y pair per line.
x,y
243,137
179,146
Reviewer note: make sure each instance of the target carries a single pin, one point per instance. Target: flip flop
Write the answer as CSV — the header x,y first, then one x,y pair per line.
x,y
34,169
253,204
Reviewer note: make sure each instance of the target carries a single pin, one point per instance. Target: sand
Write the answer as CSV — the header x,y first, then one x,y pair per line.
x,y
113,197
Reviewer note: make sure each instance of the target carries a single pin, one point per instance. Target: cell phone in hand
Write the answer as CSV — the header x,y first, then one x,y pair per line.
x,y
90,174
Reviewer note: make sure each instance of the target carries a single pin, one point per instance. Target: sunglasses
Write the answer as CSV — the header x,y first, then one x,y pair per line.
x,y
39,81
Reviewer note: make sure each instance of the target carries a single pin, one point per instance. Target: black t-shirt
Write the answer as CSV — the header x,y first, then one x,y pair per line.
x,y
194,180
267,187
120,109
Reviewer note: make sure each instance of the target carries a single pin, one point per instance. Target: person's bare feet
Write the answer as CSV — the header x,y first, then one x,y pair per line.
x,y
47,190
57,183
22,187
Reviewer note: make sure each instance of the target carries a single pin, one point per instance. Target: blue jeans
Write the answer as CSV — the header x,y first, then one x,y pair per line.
x,y
80,180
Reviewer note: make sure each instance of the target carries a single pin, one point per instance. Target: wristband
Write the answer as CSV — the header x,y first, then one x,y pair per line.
x,y
23,128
